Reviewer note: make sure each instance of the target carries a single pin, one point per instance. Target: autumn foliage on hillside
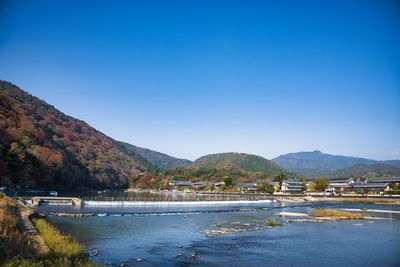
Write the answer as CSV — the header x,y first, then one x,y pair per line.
x,y
42,147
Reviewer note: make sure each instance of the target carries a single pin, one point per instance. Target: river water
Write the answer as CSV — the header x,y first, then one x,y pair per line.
x,y
233,235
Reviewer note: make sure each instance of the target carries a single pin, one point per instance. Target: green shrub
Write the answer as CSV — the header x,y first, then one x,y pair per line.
x,y
264,187
274,223
210,187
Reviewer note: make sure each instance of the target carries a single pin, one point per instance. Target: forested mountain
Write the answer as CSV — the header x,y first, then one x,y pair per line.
x,y
373,170
394,162
41,146
239,166
239,161
161,160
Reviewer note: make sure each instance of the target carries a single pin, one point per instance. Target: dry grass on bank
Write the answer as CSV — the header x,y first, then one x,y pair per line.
x,y
371,201
12,241
18,249
337,214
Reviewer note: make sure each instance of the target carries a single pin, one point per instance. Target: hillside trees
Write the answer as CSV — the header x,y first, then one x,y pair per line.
x,y
321,183
40,146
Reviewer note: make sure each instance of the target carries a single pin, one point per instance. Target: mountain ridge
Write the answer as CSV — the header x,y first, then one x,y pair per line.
x,y
43,147
217,167
363,170
230,160
315,163
161,160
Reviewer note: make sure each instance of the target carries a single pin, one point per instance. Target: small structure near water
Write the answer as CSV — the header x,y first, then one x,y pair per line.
x,y
36,201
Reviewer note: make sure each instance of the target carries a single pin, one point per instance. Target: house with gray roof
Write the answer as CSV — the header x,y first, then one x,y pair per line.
x,y
384,180
292,186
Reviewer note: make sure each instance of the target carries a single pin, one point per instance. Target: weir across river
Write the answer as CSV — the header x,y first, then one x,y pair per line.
x,y
248,200
36,201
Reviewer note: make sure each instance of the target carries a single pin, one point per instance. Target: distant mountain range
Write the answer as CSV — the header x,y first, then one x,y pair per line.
x,y
315,163
42,147
161,160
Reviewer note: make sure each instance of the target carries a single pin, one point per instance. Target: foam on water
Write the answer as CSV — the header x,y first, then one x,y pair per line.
x,y
148,214
91,203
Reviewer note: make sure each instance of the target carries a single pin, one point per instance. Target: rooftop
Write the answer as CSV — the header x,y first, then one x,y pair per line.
x,y
246,185
181,183
384,180
372,185
342,180
294,183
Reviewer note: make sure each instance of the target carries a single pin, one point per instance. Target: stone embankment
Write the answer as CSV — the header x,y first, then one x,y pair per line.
x,y
27,227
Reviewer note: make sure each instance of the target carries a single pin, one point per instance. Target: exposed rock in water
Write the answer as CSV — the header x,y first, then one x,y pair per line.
x,y
292,214
95,252
224,228
194,255
305,220
222,231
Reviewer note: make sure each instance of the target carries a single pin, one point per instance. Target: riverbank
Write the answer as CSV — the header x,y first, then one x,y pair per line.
x,y
27,240
367,200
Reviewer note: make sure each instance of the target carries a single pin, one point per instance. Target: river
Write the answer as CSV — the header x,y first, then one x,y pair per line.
x,y
233,235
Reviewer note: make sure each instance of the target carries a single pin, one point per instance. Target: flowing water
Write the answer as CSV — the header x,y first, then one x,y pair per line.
x,y
232,235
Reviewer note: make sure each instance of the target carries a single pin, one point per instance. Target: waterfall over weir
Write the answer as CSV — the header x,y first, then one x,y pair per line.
x,y
92,203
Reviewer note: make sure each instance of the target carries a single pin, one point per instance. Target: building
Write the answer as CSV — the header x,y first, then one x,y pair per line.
x,y
292,186
246,186
201,184
180,184
266,182
219,184
370,187
341,185
383,180
253,186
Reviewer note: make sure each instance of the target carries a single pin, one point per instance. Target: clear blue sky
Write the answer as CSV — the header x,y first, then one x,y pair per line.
x,y
190,78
